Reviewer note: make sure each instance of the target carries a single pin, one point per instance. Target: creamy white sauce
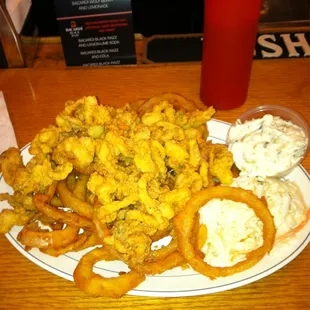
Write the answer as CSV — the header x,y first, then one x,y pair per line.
x,y
284,199
267,146
233,230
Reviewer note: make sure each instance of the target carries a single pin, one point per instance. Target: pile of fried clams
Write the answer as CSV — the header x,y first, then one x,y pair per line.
x,y
115,180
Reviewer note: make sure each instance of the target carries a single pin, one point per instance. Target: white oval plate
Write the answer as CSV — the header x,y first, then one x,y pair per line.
x,y
176,282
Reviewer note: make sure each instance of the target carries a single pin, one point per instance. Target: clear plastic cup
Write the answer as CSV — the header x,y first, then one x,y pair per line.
x,y
286,114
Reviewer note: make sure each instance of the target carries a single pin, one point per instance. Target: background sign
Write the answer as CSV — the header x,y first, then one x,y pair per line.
x,y
282,45
166,48
96,32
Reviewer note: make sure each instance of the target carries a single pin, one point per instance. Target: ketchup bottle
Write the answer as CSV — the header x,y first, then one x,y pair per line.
x,y
230,29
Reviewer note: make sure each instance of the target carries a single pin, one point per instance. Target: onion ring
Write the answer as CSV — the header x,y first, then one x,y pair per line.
x,y
69,200
32,236
70,218
163,252
96,285
51,190
79,189
178,102
91,241
162,233
196,237
171,261
83,241
184,223
71,179
46,221
136,105
101,228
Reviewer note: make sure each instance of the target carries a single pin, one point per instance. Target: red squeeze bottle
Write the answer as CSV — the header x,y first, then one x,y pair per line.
x,y
230,29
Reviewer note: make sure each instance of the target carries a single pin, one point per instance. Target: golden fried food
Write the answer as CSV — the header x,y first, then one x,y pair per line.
x,y
10,162
33,236
80,187
220,162
58,215
163,252
96,285
83,241
74,203
10,218
115,177
202,236
137,105
175,259
184,223
178,102
38,174
21,203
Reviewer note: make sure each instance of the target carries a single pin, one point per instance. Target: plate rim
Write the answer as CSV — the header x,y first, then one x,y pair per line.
x,y
179,293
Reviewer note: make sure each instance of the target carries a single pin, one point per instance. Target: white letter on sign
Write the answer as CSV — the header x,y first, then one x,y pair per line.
x,y
277,50
302,42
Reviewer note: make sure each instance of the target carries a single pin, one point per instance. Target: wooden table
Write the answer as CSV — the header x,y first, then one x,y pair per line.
x,y
34,97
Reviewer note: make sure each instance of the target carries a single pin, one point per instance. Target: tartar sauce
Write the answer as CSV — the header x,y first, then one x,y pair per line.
x,y
233,230
267,146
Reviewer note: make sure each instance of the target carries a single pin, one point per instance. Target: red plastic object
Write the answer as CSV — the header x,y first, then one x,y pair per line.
x,y
230,29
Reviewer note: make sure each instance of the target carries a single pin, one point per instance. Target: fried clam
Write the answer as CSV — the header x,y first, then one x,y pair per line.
x,y
184,227
10,218
97,285
18,200
22,213
10,162
35,237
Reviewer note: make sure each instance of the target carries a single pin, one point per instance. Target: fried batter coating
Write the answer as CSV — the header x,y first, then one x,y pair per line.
x,y
19,200
10,218
220,162
82,115
45,141
131,239
10,163
140,169
78,151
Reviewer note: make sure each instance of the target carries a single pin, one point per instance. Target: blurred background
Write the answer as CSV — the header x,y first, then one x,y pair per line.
x,y
24,23
168,16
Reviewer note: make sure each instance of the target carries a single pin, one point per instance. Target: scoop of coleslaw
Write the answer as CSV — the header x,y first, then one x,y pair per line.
x,y
267,146
234,229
